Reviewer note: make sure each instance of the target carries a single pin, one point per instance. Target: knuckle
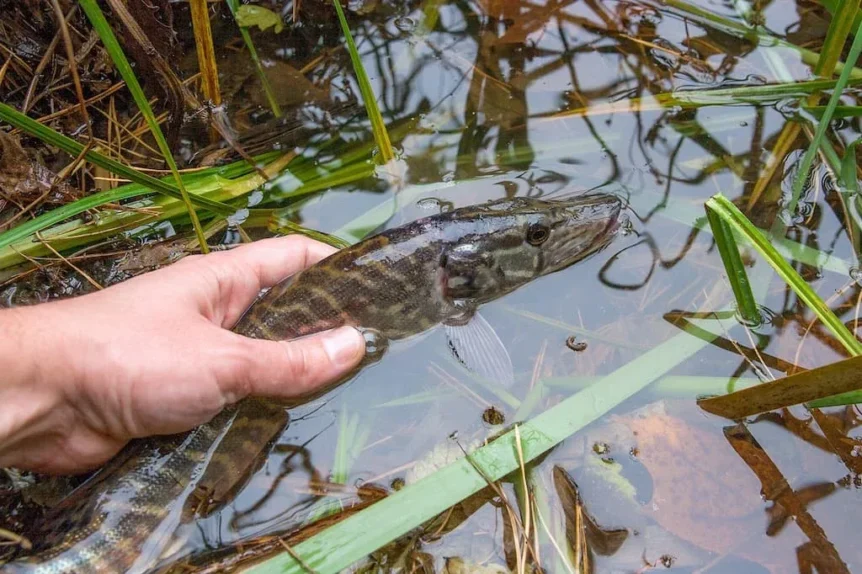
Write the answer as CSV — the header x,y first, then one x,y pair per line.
x,y
301,363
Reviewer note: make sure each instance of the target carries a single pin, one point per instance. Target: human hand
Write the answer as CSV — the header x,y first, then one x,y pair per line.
x,y
153,355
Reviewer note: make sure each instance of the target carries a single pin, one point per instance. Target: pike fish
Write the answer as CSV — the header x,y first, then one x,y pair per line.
x,y
401,282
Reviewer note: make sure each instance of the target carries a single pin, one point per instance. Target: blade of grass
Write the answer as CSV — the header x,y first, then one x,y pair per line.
x,y
737,96
77,233
749,94
840,111
840,400
682,386
740,224
836,36
734,268
109,40
833,6
823,125
848,188
233,5
378,127
206,53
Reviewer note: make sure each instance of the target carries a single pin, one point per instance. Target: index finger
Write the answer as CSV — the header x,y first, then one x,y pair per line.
x,y
274,259
240,274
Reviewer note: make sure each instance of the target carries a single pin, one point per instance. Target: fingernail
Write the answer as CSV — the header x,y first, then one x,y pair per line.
x,y
344,346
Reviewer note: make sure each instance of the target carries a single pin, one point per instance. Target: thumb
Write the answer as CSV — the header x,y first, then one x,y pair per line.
x,y
283,369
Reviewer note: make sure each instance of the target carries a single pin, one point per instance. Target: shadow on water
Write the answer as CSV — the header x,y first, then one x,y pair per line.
x,y
493,99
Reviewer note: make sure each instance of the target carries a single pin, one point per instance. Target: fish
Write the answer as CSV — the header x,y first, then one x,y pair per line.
x,y
437,270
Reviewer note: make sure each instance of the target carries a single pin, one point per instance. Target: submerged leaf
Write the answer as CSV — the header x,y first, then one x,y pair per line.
x,y
702,492
249,16
604,542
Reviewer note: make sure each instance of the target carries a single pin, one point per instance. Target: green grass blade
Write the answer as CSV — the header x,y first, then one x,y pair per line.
x,y
823,125
740,224
124,192
752,95
851,398
671,386
341,545
734,268
77,233
233,5
834,6
109,40
381,136
840,111
836,36
848,169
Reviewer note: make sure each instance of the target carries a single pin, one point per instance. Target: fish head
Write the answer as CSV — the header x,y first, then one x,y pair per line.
x,y
508,243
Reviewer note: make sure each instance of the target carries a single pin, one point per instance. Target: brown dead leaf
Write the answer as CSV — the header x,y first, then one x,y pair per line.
x,y
819,383
583,534
291,88
702,491
524,18
153,256
23,180
18,180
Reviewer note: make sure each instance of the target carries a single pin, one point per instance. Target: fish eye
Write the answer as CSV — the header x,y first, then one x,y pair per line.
x,y
538,234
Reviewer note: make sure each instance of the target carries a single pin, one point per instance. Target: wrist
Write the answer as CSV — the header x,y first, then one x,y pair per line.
x,y
29,402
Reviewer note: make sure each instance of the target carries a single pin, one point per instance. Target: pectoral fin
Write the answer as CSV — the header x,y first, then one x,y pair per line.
x,y
477,346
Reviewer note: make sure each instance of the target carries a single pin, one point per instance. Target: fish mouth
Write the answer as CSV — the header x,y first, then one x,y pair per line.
x,y
598,207
594,220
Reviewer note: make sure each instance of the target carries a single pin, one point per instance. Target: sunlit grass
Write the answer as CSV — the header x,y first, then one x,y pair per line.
x,y
378,127
823,125
199,10
740,224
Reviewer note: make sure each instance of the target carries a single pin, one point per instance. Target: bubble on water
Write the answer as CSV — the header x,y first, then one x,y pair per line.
x,y
449,177
856,275
626,225
375,344
405,23
804,209
434,204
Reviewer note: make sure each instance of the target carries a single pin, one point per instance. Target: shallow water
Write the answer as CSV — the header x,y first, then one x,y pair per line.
x,y
500,99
